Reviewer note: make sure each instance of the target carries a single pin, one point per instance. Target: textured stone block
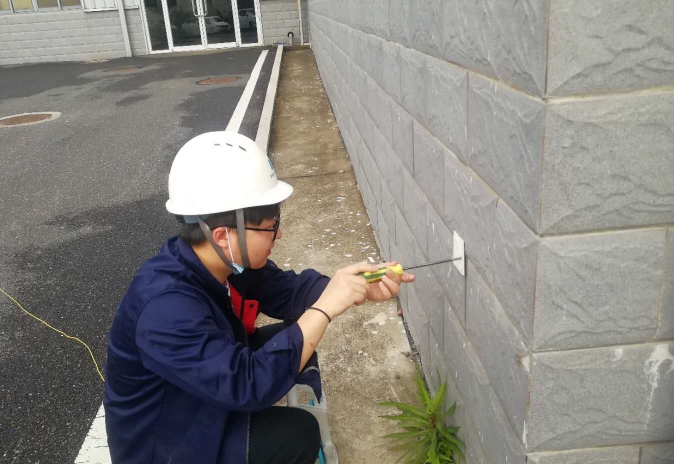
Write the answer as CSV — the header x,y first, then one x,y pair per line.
x,y
467,433
376,17
440,244
391,70
362,87
370,168
402,136
405,242
367,127
499,345
599,289
384,236
504,39
341,61
505,133
382,152
399,22
446,102
388,207
437,374
393,175
662,453
347,42
418,325
414,208
425,20
469,204
413,83
353,78
432,300
612,455
288,15
498,438
666,313
379,106
429,160
608,163
630,46
601,397
505,255
372,59
369,200
355,47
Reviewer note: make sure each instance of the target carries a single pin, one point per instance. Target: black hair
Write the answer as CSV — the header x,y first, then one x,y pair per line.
x,y
254,216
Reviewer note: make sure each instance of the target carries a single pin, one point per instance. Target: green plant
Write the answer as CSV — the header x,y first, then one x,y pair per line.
x,y
426,439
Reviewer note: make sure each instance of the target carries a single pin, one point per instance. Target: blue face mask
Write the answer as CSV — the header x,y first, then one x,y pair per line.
x,y
238,269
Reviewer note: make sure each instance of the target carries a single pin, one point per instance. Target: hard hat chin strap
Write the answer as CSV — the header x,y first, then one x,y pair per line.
x,y
241,230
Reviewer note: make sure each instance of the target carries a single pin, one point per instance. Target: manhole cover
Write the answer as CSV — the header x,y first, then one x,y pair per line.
x,y
27,119
218,80
123,69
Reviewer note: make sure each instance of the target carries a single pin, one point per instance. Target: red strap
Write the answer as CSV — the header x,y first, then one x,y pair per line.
x,y
247,310
250,315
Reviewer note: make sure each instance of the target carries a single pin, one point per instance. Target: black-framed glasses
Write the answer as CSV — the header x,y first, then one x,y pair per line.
x,y
274,229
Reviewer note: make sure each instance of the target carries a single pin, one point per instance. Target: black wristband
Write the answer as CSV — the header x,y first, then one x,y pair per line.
x,y
320,310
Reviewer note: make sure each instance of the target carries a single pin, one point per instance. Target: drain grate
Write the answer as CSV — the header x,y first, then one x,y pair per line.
x,y
27,119
123,69
218,80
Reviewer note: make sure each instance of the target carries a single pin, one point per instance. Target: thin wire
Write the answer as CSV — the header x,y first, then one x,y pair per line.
x,y
57,330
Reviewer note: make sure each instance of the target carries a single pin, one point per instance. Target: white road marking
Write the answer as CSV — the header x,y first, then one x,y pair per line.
x,y
240,110
95,447
264,128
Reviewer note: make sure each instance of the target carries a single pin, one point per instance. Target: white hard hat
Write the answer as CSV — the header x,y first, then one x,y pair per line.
x,y
222,171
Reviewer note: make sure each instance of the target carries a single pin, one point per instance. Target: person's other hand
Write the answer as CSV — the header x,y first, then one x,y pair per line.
x,y
345,289
389,285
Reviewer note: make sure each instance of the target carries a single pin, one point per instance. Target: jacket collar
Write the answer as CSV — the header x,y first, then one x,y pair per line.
x,y
200,273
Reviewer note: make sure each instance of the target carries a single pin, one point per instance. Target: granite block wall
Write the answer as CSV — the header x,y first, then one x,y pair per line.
x,y
542,132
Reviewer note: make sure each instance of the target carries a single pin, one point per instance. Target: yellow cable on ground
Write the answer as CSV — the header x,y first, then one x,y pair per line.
x,y
57,330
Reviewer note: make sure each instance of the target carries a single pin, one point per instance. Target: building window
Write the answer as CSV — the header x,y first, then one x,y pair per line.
x,y
23,6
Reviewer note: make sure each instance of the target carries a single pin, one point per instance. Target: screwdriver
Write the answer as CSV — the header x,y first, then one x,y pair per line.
x,y
398,269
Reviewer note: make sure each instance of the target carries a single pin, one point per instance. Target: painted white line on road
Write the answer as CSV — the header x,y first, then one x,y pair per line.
x,y
95,447
264,128
240,111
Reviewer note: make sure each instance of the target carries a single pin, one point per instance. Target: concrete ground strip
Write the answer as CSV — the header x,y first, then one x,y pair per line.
x,y
365,355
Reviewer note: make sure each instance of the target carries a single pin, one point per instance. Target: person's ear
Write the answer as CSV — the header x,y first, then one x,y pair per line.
x,y
220,236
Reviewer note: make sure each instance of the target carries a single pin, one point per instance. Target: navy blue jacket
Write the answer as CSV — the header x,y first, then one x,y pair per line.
x,y
180,379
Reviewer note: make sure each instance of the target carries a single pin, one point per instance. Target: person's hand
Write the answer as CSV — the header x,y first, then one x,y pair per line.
x,y
345,289
389,285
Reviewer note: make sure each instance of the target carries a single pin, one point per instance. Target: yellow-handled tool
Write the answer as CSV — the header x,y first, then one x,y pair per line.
x,y
377,275
398,269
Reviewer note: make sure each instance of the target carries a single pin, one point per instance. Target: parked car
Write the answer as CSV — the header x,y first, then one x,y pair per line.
x,y
247,18
214,25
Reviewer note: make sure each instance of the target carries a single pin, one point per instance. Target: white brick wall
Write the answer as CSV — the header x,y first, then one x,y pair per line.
x,y
69,35
280,17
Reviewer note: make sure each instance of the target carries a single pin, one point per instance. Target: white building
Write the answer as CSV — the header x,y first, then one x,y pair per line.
x,y
33,31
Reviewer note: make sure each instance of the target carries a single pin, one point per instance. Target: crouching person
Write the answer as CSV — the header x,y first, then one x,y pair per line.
x,y
189,379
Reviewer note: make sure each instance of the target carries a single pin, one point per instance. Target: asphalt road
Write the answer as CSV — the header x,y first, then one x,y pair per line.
x,y
81,207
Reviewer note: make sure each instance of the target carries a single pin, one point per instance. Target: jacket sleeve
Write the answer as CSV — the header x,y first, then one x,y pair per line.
x,y
286,294
180,341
